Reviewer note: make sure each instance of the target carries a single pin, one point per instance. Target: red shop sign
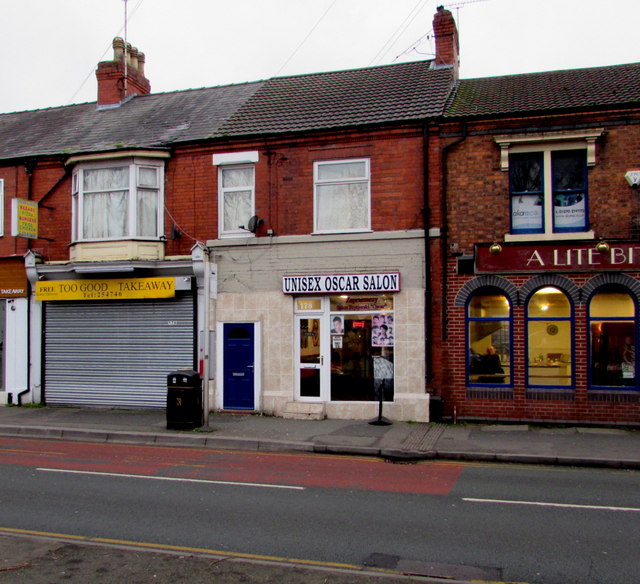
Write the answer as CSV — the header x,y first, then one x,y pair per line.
x,y
558,257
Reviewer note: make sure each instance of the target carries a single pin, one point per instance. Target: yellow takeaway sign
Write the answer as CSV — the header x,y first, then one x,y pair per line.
x,y
127,289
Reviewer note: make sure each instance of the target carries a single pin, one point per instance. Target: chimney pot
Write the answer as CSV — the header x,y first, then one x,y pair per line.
x,y
118,49
141,60
112,86
134,57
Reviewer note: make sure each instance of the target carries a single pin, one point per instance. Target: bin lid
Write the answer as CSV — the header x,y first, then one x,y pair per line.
x,y
184,373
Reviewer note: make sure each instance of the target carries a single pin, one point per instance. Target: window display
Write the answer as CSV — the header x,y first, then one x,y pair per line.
x,y
489,340
549,338
613,339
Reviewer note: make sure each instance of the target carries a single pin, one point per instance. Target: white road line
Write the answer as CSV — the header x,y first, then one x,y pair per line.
x,y
542,504
174,479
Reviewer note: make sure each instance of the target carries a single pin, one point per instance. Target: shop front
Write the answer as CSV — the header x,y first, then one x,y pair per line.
x,y
325,344
14,323
344,336
551,333
111,341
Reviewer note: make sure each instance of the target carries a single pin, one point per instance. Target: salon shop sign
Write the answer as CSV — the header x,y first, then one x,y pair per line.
x,y
339,283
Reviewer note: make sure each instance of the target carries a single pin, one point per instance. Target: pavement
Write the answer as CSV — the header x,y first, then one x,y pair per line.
x,y
517,443
40,560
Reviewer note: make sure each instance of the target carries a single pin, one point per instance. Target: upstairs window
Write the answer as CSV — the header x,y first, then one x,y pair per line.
x,y
237,199
236,192
342,196
122,200
548,183
548,192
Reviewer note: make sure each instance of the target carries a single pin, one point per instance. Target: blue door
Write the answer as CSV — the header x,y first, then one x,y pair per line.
x,y
238,366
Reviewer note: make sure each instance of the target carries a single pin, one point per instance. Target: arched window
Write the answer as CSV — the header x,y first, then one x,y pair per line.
x,y
489,338
612,327
549,346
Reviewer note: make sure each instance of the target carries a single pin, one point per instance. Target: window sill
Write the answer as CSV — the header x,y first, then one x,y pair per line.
x,y
510,237
342,231
99,251
235,235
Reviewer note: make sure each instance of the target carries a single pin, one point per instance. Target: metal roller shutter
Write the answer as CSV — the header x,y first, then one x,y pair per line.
x,y
116,354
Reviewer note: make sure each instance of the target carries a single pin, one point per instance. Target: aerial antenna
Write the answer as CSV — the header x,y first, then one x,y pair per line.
x,y
126,56
457,5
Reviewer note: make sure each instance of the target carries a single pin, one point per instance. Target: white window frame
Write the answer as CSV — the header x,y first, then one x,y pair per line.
x,y
546,143
134,165
365,179
235,160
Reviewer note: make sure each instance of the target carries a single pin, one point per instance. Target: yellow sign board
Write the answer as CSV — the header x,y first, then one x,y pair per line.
x,y
128,289
24,220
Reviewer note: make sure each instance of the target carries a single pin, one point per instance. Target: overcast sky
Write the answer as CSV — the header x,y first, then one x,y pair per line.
x,y
50,48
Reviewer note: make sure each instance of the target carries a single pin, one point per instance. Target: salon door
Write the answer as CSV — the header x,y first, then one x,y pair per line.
x,y
310,359
239,366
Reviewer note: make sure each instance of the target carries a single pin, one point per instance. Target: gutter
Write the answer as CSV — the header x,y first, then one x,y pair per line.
x,y
428,291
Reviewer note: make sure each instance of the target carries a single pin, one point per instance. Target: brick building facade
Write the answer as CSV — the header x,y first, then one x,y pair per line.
x,y
542,242
313,244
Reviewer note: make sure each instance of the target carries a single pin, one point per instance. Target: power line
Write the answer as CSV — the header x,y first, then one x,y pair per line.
x,y
304,40
413,13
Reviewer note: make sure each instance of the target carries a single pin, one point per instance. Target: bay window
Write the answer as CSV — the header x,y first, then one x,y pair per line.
x,y
118,200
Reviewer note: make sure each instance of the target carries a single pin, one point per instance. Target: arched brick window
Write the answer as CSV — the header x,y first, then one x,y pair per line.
x,y
549,338
489,337
612,339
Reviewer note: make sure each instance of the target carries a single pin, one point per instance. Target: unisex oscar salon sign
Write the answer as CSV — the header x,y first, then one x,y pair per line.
x,y
339,283
124,289
569,257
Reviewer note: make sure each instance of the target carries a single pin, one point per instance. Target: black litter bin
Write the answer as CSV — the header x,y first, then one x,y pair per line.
x,y
184,400
436,408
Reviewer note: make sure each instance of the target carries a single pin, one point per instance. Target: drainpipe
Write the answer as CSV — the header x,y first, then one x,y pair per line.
x,y
428,292
445,225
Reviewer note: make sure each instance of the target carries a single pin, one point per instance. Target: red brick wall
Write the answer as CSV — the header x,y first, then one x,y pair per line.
x,y
284,188
478,211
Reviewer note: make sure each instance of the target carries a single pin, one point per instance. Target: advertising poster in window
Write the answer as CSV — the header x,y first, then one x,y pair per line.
x,y
569,211
382,330
526,213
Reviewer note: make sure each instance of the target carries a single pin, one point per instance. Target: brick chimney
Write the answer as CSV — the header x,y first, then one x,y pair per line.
x,y
447,45
122,77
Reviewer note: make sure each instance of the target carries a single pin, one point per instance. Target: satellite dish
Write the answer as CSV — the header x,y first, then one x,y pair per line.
x,y
254,223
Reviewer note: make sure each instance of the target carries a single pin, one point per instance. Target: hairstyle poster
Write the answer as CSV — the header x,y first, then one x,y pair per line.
x,y
382,330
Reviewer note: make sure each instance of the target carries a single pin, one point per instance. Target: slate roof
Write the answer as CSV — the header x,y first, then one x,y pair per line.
x,y
391,93
573,89
321,101
148,121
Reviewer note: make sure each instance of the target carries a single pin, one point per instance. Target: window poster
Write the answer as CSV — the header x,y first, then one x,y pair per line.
x,y
570,211
526,212
382,330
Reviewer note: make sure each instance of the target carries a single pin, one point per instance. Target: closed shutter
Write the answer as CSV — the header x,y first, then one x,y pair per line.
x,y
114,353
